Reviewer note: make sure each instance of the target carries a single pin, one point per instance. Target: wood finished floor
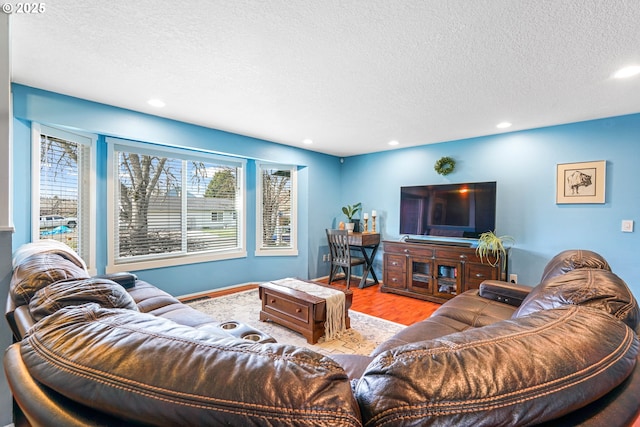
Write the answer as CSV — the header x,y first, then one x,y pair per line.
x,y
396,308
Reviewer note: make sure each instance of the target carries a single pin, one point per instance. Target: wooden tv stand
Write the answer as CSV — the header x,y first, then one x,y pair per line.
x,y
435,272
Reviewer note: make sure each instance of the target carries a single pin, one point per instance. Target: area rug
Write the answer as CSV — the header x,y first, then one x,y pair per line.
x,y
365,334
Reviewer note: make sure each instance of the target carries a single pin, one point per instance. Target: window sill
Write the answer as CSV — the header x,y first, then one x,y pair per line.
x,y
276,252
172,262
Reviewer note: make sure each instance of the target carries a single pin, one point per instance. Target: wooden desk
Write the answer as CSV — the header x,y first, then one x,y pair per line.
x,y
366,242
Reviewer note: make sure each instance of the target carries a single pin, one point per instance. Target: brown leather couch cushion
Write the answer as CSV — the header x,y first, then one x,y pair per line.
x,y
153,300
517,372
573,259
65,293
595,288
465,311
40,270
143,368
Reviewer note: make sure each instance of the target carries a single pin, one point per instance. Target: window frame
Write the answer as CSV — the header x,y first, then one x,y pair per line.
x,y
89,193
292,249
159,261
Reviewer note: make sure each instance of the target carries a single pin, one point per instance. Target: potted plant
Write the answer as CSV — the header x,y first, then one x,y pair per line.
x,y
491,248
350,211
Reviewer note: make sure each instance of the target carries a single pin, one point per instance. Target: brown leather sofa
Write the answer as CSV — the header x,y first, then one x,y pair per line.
x,y
513,355
90,352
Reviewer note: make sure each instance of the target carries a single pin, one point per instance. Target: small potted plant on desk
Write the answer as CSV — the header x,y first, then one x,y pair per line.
x,y
491,248
350,211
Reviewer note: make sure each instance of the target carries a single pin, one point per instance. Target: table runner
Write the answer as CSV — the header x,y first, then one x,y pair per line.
x,y
335,322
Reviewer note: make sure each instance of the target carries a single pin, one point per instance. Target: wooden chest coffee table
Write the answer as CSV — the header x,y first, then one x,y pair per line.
x,y
298,310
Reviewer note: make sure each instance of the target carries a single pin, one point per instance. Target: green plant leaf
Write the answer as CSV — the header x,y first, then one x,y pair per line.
x,y
492,246
350,211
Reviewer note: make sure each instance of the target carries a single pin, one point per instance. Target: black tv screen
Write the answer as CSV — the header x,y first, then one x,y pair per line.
x,y
449,210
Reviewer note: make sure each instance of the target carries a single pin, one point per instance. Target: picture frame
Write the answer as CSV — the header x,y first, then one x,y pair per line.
x,y
581,182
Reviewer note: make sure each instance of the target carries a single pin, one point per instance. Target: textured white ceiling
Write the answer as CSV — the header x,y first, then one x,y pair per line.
x,y
348,74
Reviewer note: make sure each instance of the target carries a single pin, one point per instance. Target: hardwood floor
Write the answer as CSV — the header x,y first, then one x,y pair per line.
x,y
396,308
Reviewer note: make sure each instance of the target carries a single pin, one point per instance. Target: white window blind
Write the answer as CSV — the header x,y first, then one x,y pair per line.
x,y
174,203
64,188
277,202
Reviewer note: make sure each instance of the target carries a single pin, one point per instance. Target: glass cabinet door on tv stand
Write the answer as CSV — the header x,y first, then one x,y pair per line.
x,y
447,278
421,278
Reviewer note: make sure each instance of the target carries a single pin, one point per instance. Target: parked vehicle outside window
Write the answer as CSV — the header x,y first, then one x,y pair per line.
x,y
52,221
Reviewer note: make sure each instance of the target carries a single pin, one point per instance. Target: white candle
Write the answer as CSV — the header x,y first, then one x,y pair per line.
x,y
366,215
374,213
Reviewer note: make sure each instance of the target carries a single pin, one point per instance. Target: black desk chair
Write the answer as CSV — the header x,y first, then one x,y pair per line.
x,y
340,255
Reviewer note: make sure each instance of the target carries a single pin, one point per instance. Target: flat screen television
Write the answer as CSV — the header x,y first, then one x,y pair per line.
x,y
448,210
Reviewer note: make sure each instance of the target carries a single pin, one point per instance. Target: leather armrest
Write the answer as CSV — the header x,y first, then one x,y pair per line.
x,y
8,314
23,321
19,319
508,293
124,279
43,406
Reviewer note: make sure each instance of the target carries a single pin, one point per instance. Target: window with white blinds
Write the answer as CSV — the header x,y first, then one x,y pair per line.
x,y
64,202
174,206
277,209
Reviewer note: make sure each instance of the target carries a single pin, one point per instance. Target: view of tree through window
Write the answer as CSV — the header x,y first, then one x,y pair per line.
x,y
174,206
277,207
65,186
222,184
60,191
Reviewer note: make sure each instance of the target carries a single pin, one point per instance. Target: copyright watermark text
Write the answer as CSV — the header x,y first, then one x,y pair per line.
x,y
30,8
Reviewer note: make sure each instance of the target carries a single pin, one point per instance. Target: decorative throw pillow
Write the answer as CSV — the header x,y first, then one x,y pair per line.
x,y
106,293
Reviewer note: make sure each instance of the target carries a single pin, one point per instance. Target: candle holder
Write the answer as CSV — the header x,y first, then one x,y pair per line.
x,y
366,225
373,222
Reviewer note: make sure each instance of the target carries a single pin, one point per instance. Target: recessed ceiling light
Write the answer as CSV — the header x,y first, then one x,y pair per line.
x,y
503,125
156,103
307,141
625,72
394,142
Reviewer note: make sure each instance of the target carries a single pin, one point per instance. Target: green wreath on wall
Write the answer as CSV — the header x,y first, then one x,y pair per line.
x,y
445,165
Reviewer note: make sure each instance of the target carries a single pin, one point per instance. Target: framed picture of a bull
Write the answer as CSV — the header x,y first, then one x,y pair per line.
x,y
581,182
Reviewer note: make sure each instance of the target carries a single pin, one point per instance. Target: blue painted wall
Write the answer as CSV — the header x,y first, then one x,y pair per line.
x,y
522,163
317,173
524,166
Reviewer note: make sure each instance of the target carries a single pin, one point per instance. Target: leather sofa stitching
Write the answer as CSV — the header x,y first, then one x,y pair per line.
x,y
437,321
534,392
436,350
162,394
462,406
481,312
622,312
328,363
